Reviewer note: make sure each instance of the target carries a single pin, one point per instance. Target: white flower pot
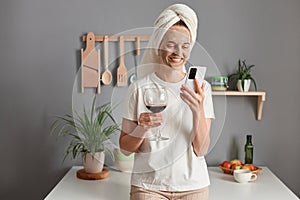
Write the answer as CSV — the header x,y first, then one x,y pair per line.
x,y
93,165
247,84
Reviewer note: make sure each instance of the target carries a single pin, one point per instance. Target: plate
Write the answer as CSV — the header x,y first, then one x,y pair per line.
x,y
230,171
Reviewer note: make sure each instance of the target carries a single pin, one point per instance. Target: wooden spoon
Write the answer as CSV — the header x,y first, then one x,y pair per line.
x,y
106,76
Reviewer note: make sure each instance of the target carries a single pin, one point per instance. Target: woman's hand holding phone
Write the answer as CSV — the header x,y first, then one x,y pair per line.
x,y
195,72
192,93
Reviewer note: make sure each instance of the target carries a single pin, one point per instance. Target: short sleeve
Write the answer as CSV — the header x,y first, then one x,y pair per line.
x,y
208,103
130,109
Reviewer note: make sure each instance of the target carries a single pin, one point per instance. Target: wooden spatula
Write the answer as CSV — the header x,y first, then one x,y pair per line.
x,y
122,70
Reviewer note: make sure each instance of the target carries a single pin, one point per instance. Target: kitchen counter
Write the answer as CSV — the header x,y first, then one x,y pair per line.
x,y
223,187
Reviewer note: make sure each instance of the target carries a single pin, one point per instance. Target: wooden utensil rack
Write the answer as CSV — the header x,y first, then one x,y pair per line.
x,y
90,59
116,38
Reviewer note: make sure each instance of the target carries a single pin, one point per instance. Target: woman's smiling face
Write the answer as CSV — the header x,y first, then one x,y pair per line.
x,y
175,47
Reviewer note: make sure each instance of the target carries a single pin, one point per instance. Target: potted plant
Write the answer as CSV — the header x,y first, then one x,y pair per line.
x,y
243,77
89,134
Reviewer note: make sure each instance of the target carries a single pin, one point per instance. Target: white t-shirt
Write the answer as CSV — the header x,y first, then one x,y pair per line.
x,y
169,165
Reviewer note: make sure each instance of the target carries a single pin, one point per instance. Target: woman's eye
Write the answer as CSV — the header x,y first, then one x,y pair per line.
x,y
186,46
170,45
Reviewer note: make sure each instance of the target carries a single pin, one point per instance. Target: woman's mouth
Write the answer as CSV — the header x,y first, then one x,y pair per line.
x,y
175,59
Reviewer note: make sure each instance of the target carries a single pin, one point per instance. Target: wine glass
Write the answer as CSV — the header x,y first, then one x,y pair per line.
x,y
156,100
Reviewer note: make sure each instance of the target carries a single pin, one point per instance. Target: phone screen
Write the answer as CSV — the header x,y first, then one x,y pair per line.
x,y
192,74
195,72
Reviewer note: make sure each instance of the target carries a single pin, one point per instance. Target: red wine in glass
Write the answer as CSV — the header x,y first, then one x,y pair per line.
x,y
156,108
156,100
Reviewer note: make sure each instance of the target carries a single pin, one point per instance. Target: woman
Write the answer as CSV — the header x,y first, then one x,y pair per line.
x,y
174,168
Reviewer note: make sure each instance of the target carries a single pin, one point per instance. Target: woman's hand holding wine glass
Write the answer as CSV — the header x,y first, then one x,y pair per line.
x,y
150,120
155,100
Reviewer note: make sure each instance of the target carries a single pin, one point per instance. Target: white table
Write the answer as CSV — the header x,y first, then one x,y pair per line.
x,y
223,187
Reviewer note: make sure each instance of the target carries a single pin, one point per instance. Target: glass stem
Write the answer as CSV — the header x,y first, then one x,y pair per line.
x,y
158,136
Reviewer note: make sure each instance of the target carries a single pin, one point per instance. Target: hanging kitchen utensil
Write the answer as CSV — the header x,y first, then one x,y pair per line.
x,y
106,76
133,77
90,64
122,70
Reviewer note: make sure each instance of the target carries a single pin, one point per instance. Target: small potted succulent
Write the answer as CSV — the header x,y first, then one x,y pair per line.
x,y
89,135
243,77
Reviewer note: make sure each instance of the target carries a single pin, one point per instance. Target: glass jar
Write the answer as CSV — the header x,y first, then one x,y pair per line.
x,y
219,83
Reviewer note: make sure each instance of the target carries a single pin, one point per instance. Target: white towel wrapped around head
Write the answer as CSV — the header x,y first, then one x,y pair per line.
x,y
166,19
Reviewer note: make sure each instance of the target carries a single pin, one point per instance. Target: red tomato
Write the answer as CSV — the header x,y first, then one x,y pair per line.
x,y
226,164
252,168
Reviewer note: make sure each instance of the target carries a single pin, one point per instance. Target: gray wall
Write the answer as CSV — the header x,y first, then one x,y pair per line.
x,y
39,54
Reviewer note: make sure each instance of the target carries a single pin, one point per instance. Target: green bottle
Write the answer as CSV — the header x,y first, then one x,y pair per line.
x,y
249,150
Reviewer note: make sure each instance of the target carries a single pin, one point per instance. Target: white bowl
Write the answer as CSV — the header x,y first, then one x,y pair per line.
x,y
244,175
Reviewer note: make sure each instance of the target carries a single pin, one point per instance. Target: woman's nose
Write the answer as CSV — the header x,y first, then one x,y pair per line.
x,y
178,51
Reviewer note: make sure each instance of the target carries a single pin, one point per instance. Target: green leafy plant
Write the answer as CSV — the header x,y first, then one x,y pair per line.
x,y
243,73
88,133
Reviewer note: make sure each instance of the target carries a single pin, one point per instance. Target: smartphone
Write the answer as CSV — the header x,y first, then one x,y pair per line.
x,y
195,72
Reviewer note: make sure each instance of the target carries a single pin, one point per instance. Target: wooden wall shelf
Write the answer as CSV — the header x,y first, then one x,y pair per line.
x,y
261,97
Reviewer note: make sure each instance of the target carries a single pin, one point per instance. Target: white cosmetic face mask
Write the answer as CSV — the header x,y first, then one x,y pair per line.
x,y
178,43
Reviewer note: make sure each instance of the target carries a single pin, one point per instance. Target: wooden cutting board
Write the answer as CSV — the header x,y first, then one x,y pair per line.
x,y
90,64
